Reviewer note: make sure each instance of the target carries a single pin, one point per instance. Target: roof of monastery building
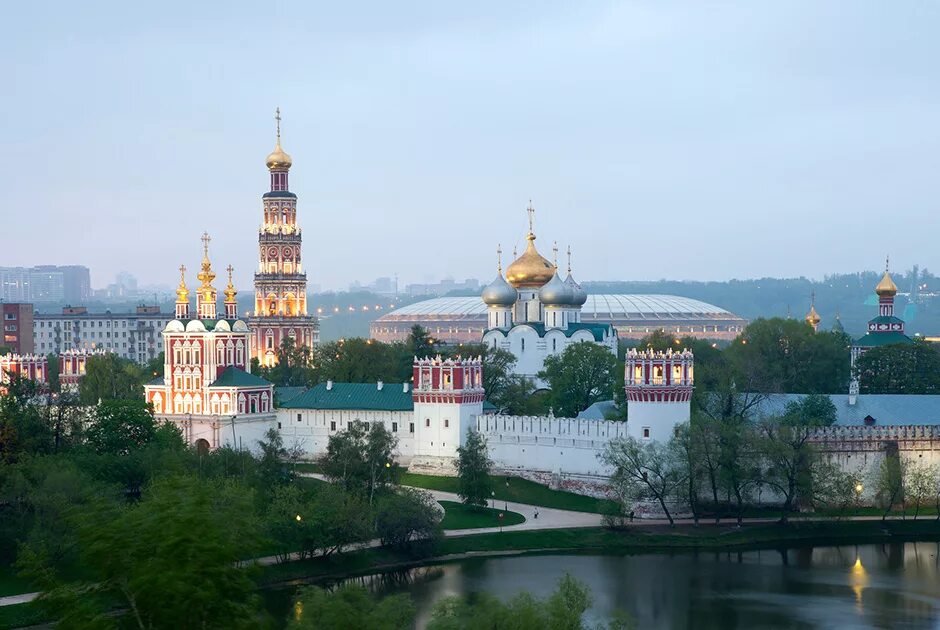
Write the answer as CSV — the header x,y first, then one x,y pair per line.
x,y
886,409
235,377
354,396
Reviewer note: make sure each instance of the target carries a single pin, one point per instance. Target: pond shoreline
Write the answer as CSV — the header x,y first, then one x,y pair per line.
x,y
640,539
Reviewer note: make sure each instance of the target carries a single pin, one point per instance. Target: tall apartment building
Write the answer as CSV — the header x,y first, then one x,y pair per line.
x,y
17,327
45,283
135,336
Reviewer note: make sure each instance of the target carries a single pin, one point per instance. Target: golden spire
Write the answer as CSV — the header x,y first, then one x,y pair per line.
x,y
182,293
230,291
886,288
206,275
278,159
813,318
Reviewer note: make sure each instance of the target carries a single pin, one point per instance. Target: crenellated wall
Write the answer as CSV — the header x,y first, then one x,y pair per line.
x,y
549,444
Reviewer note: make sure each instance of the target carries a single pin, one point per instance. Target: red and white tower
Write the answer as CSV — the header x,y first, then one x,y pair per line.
x,y
659,391
448,397
280,283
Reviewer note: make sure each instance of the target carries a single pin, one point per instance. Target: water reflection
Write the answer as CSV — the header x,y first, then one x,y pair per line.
x,y
867,586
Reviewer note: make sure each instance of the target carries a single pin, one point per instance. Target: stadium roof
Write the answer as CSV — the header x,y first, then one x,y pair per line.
x,y
598,306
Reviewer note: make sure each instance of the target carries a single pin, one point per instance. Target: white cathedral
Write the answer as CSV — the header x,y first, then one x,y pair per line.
x,y
533,313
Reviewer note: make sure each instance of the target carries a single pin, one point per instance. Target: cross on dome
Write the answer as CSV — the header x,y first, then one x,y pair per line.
x,y
277,117
569,260
499,259
531,211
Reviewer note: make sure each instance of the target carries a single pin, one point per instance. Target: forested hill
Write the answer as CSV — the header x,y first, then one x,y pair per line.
x,y
850,295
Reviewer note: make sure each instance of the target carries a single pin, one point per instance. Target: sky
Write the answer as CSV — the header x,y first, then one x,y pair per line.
x,y
659,139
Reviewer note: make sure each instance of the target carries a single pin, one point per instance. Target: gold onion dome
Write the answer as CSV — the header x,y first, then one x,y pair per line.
x,y
230,291
813,318
278,158
531,269
886,288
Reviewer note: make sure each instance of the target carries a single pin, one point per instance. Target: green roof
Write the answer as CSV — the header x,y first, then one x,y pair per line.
x,y
156,381
597,330
233,377
882,338
365,396
284,393
886,319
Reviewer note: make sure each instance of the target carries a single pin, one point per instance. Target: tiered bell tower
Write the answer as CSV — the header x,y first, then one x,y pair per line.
x,y
280,283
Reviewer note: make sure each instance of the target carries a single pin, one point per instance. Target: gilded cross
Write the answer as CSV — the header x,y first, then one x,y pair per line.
x,y
277,117
182,273
569,259
205,243
499,259
230,269
555,254
531,212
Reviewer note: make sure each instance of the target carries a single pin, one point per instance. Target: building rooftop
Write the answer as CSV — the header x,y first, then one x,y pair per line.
x,y
354,396
234,377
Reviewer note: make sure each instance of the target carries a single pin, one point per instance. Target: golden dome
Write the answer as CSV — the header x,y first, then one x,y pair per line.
x,y
277,158
886,288
813,318
531,269
182,293
230,291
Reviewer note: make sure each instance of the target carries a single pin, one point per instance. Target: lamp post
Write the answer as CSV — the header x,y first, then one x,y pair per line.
x,y
858,495
493,495
507,495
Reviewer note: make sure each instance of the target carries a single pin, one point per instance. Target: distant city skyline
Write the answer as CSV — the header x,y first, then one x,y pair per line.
x,y
669,140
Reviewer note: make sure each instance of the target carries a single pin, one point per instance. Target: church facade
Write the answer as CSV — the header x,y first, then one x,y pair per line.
x,y
207,389
533,313
280,309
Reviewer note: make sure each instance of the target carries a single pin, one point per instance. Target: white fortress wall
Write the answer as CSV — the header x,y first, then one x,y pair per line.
x,y
549,444
310,429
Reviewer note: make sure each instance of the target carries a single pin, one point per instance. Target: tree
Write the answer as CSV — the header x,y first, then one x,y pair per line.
x,y
293,367
706,436
563,610
642,471
350,606
190,579
688,455
120,426
110,377
835,488
474,484
362,458
420,344
889,479
22,429
52,372
739,461
270,465
790,459
814,410
582,375
786,355
154,368
405,516
912,368
920,483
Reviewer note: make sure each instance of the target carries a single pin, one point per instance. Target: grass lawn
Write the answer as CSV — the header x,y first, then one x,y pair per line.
x,y
460,516
11,583
20,615
518,490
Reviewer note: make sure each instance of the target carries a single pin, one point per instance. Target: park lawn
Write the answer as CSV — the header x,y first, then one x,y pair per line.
x,y
306,467
460,516
11,583
518,490
20,615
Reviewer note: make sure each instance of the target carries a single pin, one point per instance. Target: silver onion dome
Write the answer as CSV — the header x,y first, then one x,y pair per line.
x,y
556,293
579,295
499,292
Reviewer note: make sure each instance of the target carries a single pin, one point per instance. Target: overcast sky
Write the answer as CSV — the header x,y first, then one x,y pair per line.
x,y
681,140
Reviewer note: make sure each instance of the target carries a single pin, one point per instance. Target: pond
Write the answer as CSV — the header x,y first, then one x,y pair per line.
x,y
867,586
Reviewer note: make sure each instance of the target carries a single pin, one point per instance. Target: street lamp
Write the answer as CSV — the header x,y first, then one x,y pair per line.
x,y
507,494
493,494
298,518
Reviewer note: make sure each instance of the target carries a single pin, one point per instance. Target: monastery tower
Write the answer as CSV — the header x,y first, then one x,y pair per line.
x,y
280,283
659,391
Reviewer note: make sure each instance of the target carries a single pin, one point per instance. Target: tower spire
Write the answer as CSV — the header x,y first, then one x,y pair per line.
x,y
182,296
206,294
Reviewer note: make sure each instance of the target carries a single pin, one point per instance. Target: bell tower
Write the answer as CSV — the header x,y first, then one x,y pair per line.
x,y
280,309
